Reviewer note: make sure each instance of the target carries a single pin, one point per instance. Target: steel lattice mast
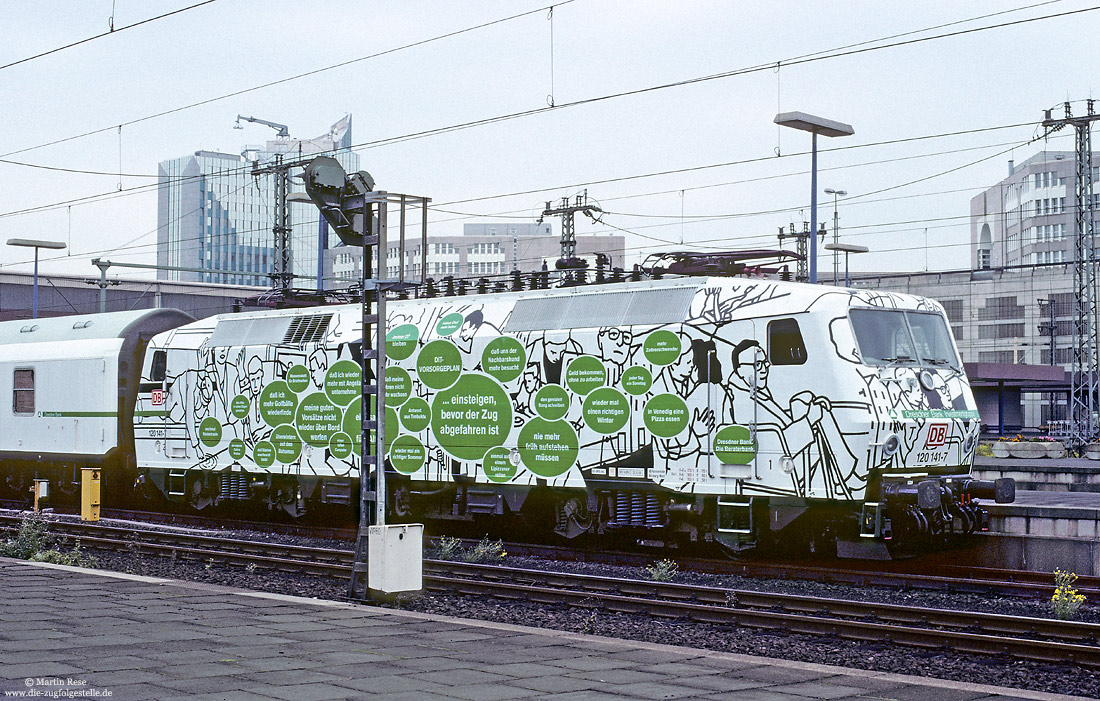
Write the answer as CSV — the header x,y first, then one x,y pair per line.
x,y
1084,399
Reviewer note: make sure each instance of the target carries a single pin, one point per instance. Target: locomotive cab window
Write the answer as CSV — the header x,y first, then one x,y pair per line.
x,y
785,345
22,401
159,367
896,337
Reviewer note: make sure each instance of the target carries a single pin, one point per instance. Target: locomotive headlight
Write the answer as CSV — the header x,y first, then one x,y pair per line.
x,y
786,464
891,445
968,443
926,380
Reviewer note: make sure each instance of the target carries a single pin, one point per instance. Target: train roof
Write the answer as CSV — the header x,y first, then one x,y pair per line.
x,y
91,326
643,303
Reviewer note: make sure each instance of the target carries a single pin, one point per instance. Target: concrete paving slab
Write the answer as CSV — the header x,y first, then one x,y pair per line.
x,y
173,647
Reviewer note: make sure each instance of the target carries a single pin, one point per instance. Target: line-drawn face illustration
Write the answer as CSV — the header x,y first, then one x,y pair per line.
x,y
749,362
255,375
469,327
614,344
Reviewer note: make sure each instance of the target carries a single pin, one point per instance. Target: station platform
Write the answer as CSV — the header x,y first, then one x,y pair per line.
x,y
1043,531
1043,474
74,633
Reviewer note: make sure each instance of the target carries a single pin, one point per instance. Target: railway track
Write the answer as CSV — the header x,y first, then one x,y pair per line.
x,y
899,575
1032,639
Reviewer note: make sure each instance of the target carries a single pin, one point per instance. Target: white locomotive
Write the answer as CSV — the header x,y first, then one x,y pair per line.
x,y
735,410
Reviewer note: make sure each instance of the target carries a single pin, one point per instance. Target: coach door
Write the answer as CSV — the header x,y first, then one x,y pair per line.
x,y
734,402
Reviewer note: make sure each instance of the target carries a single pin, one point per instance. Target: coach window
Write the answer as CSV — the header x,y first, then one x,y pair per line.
x,y
785,345
23,391
159,367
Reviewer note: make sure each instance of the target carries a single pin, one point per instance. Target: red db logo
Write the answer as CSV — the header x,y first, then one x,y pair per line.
x,y
937,436
158,397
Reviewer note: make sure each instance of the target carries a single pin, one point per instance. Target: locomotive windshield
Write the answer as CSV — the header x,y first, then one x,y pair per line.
x,y
896,337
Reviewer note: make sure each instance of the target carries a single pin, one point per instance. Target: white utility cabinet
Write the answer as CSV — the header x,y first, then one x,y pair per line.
x,y
395,558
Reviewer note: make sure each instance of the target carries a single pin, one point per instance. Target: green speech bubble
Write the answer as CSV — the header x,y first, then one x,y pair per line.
x,y
734,445
605,410
401,341
439,364
475,414
548,448
637,380
665,415
277,403
661,347
585,374
504,358
551,402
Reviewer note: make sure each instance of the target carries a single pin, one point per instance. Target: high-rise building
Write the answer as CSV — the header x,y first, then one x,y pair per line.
x,y
1027,218
215,218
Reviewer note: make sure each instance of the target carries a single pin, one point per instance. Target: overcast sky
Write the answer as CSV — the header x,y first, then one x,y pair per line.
x,y
941,95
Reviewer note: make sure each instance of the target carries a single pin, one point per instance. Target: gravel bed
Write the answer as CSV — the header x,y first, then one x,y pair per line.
x,y
1063,679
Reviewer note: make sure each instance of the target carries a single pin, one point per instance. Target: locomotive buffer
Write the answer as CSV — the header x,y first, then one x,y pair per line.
x,y
388,559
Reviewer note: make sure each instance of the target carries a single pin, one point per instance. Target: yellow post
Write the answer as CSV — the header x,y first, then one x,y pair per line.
x,y
41,490
89,494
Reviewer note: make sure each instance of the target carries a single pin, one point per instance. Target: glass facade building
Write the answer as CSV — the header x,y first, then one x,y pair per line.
x,y
215,219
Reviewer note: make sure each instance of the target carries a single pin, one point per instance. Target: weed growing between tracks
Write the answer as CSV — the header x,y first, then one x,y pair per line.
x,y
1066,601
484,551
34,542
663,570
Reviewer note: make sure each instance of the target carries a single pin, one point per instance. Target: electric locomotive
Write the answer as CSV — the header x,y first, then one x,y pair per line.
x,y
739,411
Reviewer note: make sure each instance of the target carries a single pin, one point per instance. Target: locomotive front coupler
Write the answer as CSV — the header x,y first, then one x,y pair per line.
x,y
935,492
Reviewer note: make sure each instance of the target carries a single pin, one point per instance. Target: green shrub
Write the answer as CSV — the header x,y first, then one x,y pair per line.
x,y
34,542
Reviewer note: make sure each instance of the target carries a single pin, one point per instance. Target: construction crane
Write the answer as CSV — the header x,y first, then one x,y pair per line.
x,y
281,130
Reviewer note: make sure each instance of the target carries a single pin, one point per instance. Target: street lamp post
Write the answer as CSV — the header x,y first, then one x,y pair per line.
x,y
825,127
847,248
36,244
836,232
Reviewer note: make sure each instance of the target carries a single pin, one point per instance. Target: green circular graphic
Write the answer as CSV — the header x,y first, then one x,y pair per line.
x,y
605,410
734,446
401,341
585,374
475,414
497,465
504,358
661,347
263,454
353,421
317,419
637,380
415,415
277,404
398,386
551,402
439,364
665,415
548,448
343,382
297,378
340,445
239,406
407,454
236,449
288,445
210,431
449,324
